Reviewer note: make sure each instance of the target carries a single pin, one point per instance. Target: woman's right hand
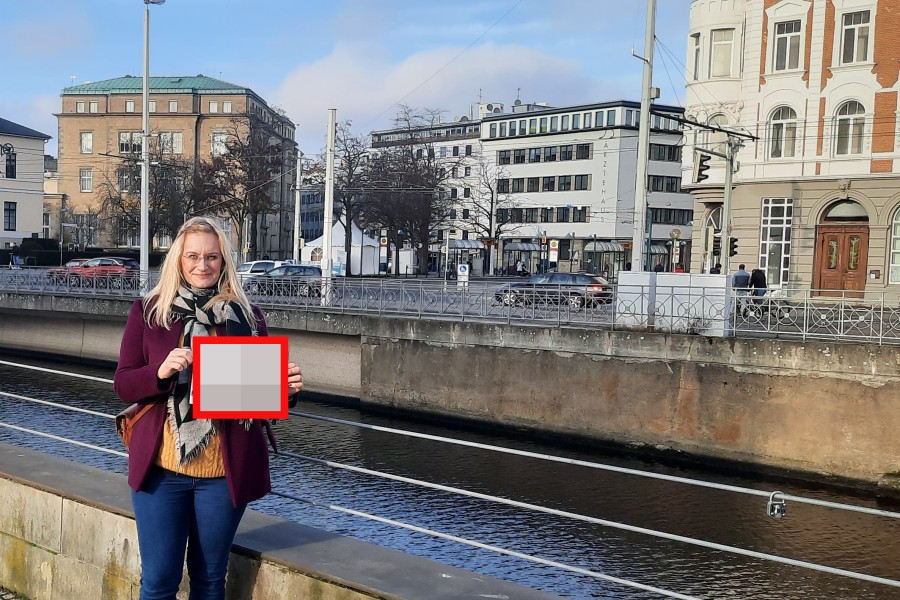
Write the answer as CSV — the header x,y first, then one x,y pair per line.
x,y
178,360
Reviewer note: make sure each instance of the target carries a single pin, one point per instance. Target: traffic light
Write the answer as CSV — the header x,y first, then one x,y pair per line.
x,y
732,246
701,166
717,246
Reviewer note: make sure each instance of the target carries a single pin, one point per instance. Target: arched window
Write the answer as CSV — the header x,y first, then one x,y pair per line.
x,y
851,123
715,140
845,210
783,133
894,273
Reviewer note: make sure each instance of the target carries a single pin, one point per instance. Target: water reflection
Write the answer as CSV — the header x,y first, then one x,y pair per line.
x,y
845,540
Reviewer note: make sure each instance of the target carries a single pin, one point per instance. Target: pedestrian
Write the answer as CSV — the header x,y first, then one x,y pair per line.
x,y
716,270
679,268
14,252
520,268
659,268
191,479
740,282
758,285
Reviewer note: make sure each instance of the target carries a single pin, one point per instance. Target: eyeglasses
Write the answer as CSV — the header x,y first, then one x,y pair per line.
x,y
194,259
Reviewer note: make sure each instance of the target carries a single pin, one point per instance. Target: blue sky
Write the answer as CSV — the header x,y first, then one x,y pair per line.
x,y
362,57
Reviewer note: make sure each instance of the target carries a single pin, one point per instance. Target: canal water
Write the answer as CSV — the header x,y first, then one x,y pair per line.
x,y
856,542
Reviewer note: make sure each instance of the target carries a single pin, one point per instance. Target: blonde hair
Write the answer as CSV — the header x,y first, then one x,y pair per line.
x,y
158,301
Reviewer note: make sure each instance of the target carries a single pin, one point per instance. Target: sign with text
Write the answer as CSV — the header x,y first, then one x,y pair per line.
x,y
240,377
554,251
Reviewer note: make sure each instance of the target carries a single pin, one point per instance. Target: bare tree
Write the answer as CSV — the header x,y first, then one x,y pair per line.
x,y
406,185
174,189
242,175
350,176
490,208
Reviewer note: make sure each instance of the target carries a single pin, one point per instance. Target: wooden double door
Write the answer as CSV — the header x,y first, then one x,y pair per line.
x,y
842,253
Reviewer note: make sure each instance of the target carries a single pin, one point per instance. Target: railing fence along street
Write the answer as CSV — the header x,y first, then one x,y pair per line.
x,y
681,303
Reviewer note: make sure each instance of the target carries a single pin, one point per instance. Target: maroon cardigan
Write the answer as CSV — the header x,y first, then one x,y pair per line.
x,y
144,348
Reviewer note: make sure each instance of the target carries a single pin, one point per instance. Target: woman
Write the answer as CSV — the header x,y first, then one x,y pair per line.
x,y
191,479
758,285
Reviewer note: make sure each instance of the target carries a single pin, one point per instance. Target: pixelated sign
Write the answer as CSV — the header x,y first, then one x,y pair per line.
x,y
240,377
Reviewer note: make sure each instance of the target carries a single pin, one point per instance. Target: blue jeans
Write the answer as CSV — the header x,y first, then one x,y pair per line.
x,y
175,510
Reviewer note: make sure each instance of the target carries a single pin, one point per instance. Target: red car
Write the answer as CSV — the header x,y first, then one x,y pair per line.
x,y
104,272
58,274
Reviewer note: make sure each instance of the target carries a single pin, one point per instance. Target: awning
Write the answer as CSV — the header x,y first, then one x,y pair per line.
x,y
521,247
657,249
604,247
466,245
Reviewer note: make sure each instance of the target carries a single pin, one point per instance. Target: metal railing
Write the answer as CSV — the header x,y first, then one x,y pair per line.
x,y
791,313
811,315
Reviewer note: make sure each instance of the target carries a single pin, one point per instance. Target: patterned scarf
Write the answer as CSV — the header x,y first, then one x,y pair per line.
x,y
192,305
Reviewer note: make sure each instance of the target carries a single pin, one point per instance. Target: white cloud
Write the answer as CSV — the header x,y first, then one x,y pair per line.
x,y
36,113
365,87
57,34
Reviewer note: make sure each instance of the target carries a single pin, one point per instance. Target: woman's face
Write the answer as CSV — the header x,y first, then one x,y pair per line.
x,y
201,259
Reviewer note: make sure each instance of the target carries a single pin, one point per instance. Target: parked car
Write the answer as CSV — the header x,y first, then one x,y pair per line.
x,y
104,272
258,267
286,280
575,289
58,274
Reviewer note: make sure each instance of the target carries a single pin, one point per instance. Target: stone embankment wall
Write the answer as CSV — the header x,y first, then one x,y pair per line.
x,y
825,409
67,532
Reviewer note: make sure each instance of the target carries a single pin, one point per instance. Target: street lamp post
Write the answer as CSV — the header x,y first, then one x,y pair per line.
x,y
145,150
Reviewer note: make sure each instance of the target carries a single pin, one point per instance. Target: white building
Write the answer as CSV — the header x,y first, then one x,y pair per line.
x,y
816,196
571,174
457,145
21,182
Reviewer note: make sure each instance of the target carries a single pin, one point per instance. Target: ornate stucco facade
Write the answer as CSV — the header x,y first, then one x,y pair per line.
x,y
816,194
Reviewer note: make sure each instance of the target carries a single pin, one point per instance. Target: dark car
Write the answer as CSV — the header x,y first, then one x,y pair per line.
x,y
286,280
104,272
575,289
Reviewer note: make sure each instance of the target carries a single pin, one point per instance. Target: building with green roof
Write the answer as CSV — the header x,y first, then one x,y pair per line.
x,y
191,117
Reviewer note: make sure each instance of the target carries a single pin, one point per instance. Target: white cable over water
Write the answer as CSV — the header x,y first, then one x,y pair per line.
x,y
604,467
500,500
63,439
55,372
499,550
535,507
438,534
603,522
525,453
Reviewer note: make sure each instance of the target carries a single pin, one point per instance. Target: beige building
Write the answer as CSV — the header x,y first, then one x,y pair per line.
x,y
817,195
100,123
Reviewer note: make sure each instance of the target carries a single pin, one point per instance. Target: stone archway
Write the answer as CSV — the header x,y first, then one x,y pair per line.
x,y
842,250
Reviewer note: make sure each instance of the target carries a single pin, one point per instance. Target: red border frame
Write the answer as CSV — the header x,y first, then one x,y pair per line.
x,y
199,342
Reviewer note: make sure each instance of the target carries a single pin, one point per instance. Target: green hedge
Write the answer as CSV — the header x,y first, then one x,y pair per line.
x,y
34,256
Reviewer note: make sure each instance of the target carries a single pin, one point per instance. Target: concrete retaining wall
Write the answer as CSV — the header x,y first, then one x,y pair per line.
x,y
831,409
67,532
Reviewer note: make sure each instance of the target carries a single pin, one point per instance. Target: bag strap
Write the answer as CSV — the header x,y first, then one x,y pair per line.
x,y
132,413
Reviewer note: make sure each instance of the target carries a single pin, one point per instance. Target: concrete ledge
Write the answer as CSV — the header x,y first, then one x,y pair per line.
x,y
66,531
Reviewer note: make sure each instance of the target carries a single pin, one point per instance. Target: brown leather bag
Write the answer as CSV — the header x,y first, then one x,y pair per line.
x,y
126,419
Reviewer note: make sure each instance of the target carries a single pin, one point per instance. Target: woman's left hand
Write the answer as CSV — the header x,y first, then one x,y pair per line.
x,y
295,378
